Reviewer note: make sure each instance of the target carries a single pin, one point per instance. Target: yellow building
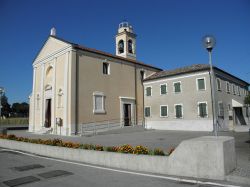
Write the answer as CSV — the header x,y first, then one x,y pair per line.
x,y
74,85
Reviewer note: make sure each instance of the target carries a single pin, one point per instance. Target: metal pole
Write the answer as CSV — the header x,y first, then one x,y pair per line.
x,y
213,93
0,105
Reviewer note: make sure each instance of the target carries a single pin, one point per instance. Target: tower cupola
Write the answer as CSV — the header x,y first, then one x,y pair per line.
x,y
126,41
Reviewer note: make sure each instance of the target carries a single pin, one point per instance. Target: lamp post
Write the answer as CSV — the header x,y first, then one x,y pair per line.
x,y
209,43
1,93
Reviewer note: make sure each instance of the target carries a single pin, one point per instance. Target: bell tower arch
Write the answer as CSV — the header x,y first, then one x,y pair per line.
x,y
126,41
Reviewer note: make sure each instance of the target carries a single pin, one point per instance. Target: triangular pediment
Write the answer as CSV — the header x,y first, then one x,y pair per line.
x,y
51,46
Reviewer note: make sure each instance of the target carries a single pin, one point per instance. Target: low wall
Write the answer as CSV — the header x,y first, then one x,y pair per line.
x,y
181,124
205,157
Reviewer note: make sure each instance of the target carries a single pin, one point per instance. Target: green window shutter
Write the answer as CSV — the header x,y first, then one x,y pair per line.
x,y
178,110
164,111
148,91
147,112
203,109
177,87
201,84
163,89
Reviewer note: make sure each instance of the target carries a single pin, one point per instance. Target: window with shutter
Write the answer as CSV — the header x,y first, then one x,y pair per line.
x,y
163,89
201,84
178,111
221,110
164,111
203,110
148,91
147,111
177,87
98,105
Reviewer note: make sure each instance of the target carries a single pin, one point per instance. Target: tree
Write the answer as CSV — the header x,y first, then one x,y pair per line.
x,y
5,106
20,109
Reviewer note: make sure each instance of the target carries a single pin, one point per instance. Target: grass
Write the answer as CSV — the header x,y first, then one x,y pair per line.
x,y
14,121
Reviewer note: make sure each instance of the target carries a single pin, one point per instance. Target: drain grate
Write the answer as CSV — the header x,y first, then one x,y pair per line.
x,y
20,181
54,173
28,167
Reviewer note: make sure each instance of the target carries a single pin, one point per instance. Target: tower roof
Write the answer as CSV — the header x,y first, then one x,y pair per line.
x,y
125,26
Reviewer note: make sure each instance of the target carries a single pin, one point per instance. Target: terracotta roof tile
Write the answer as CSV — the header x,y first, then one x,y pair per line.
x,y
77,46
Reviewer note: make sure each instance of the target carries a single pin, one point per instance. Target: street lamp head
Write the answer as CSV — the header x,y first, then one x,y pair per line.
x,y
209,42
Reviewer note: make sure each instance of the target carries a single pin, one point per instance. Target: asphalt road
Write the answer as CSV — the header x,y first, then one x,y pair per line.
x,y
54,173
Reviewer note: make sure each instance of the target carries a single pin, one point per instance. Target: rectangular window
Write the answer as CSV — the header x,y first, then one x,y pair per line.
x,y
163,89
228,87
221,110
177,87
218,84
164,111
148,91
234,91
98,105
147,111
239,90
201,84
106,68
202,110
178,111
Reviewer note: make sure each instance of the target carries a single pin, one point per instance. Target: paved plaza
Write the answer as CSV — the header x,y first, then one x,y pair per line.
x,y
156,139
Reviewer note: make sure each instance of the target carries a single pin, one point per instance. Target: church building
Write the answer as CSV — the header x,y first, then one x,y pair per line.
x,y
74,85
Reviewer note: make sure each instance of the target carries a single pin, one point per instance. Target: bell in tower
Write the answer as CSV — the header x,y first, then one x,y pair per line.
x,y
126,41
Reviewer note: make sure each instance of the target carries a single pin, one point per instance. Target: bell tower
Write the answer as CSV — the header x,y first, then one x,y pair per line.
x,y
126,41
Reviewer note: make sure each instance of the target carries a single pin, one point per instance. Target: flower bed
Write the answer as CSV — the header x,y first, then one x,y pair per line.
x,y
128,149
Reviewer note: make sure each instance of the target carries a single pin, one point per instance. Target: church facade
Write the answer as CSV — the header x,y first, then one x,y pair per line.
x,y
75,85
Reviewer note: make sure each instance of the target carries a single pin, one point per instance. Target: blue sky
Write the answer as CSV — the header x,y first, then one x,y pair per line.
x,y
169,33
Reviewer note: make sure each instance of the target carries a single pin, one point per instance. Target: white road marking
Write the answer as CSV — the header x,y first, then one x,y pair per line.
x,y
127,172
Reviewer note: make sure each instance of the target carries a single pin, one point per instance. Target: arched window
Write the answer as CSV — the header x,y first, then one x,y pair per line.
x,y
121,46
60,100
130,46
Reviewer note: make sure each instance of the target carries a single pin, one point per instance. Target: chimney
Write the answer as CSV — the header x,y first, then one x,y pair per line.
x,y
53,31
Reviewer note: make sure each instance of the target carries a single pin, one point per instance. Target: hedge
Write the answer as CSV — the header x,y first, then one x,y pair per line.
x,y
120,149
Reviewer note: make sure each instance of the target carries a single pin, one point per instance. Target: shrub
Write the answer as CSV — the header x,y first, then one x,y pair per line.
x,y
11,137
48,142
126,149
159,152
140,150
57,142
88,146
112,149
170,151
99,148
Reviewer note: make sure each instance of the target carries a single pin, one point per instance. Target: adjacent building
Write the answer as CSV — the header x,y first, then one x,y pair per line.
x,y
181,99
